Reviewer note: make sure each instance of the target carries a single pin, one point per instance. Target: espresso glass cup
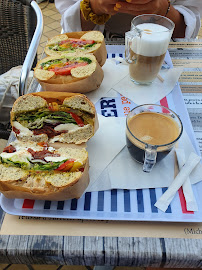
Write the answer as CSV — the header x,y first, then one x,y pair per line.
x,y
146,45
151,133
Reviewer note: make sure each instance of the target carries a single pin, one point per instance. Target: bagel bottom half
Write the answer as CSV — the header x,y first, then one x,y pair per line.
x,y
74,190
85,85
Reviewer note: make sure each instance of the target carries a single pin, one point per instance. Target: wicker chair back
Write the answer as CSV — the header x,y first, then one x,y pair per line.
x,y
17,25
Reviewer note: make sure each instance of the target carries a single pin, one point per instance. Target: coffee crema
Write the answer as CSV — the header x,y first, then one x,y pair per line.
x,y
153,128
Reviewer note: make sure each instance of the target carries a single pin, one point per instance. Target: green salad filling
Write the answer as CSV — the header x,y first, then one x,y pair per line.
x,y
28,165
36,119
64,62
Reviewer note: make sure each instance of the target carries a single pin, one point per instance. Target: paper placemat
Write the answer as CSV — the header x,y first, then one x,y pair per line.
x,y
18,225
144,94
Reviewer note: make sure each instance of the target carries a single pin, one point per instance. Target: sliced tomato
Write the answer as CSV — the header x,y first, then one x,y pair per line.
x,y
63,71
89,41
67,70
76,40
78,119
66,166
69,41
83,41
63,41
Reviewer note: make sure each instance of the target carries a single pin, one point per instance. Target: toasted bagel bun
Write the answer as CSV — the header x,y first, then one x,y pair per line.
x,y
98,49
17,182
71,131
81,79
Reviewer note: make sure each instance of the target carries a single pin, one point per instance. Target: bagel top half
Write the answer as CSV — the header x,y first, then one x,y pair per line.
x,y
84,41
78,42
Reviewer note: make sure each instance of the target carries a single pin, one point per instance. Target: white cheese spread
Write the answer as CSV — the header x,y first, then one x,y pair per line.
x,y
21,156
23,130
67,127
55,159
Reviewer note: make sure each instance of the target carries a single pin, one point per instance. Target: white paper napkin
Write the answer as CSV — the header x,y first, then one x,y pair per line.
x,y
116,76
146,94
113,73
125,173
111,165
107,142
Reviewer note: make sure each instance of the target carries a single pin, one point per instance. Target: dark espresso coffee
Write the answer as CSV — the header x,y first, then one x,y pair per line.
x,y
151,128
144,69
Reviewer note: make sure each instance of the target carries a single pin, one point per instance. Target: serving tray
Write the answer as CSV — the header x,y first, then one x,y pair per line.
x,y
130,205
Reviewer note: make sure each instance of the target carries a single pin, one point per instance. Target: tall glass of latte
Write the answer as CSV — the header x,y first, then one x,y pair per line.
x,y
146,45
151,133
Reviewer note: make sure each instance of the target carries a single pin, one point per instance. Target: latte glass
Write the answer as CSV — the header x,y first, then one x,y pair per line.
x,y
146,45
151,133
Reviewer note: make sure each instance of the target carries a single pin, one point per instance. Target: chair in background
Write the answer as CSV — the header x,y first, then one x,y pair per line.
x,y
17,25
21,25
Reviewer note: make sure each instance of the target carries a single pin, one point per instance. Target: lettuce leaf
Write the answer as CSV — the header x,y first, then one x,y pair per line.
x,y
36,167
47,167
36,120
19,164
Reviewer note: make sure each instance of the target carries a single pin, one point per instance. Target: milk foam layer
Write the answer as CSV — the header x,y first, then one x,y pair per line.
x,y
154,40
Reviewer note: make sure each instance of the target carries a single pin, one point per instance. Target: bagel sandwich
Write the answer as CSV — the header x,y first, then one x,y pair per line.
x,y
39,171
69,73
84,41
54,117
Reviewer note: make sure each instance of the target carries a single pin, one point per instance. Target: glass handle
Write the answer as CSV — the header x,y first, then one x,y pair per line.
x,y
150,158
129,36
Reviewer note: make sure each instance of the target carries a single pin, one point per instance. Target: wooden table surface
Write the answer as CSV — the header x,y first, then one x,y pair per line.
x,y
119,251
